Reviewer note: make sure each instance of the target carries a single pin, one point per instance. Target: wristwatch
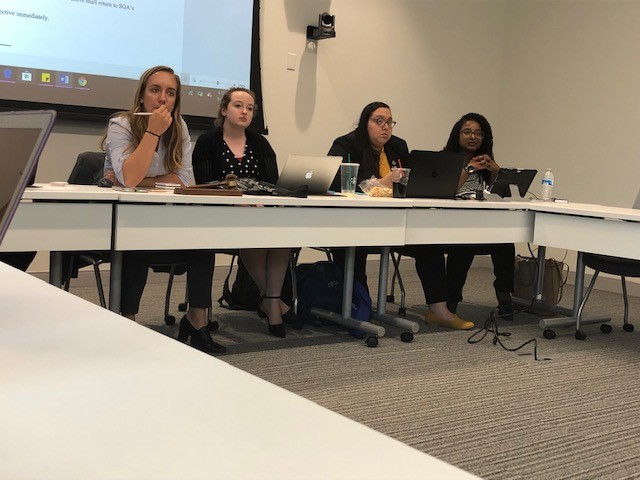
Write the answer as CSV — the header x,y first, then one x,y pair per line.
x,y
469,169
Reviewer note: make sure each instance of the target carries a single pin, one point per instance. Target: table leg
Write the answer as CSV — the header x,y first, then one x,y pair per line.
x,y
55,269
380,313
537,302
347,293
115,281
577,298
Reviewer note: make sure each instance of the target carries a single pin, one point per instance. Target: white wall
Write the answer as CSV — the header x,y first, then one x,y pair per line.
x,y
414,55
570,97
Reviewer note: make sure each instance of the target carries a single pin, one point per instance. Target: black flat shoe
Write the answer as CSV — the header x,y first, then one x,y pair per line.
x,y
505,311
200,338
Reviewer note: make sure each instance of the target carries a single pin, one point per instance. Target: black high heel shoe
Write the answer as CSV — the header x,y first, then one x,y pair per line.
x,y
290,317
200,338
275,330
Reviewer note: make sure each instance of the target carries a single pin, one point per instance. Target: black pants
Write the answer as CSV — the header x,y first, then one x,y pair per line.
x,y
443,281
431,269
135,269
459,261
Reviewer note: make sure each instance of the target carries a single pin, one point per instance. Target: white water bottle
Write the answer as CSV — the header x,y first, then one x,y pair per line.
x,y
547,185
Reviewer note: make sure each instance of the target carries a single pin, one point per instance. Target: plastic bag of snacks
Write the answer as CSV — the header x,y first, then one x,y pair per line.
x,y
375,188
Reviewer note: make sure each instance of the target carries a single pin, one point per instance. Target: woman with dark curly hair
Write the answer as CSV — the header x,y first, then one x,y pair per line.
x,y
472,135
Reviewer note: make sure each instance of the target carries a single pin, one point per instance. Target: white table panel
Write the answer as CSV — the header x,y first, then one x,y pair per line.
x,y
54,226
83,193
89,394
468,226
209,226
588,234
586,210
157,196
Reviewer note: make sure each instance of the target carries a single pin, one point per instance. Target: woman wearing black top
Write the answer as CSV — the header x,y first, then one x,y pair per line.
x,y
372,145
472,135
231,148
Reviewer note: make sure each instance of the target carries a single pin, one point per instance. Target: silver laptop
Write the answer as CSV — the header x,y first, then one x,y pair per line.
x,y
314,171
22,138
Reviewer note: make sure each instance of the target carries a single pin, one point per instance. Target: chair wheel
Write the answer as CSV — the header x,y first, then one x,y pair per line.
x,y
317,322
182,307
549,334
402,311
371,341
580,335
213,325
169,319
628,327
406,337
391,298
605,328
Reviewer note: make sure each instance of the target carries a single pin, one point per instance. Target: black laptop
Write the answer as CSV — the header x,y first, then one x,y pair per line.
x,y
434,174
22,136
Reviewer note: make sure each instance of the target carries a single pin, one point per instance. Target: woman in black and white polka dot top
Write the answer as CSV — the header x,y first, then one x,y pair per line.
x,y
231,148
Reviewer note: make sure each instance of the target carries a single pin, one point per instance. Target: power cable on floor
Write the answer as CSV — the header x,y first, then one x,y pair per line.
x,y
491,326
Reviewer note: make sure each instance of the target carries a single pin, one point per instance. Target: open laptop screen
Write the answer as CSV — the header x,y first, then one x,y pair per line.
x,y
512,176
22,137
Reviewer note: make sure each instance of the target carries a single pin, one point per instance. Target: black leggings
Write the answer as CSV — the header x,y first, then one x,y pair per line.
x,y
135,269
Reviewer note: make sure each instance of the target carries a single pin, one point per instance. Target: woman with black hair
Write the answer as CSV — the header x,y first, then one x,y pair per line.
x,y
472,135
372,145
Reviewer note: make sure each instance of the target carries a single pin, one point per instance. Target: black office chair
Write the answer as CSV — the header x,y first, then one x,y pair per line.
x,y
87,171
623,267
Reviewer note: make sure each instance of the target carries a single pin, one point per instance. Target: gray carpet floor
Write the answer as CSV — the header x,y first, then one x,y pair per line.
x,y
574,413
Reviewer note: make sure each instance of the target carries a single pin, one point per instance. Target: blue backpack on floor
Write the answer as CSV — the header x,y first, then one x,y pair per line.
x,y
320,286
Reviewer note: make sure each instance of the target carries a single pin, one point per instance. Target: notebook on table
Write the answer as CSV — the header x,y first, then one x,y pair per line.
x,y
434,174
313,171
22,136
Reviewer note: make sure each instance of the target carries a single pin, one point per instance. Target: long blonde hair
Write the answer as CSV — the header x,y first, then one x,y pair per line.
x,y
172,138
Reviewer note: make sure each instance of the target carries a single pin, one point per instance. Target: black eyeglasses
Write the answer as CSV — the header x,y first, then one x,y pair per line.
x,y
381,122
471,133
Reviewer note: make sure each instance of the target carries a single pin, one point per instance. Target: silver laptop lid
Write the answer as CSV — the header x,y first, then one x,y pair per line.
x,y
22,138
315,171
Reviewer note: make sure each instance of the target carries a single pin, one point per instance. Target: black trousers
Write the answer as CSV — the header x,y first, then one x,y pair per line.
x,y
431,269
459,261
135,269
443,281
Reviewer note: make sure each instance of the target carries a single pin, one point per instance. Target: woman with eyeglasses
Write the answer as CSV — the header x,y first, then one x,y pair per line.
x,y
372,145
472,135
